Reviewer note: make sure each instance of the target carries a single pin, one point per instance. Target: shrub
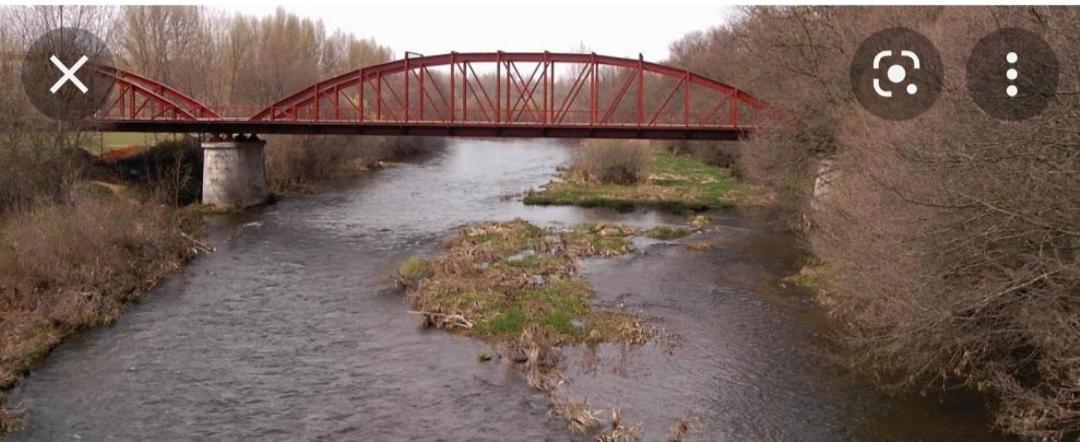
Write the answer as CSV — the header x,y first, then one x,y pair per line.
x,y
950,240
37,174
411,271
293,162
413,267
73,265
612,162
667,232
171,171
720,154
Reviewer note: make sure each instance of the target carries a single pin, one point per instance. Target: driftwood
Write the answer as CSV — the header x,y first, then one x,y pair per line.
x,y
199,245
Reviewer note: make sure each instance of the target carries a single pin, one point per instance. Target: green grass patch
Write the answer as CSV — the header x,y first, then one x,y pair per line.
x,y
667,232
561,322
103,142
507,322
411,271
118,140
413,267
526,261
677,183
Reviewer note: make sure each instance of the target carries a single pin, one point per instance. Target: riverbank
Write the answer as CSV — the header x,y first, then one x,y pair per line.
x,y
71,266
292,330
77,264
675,183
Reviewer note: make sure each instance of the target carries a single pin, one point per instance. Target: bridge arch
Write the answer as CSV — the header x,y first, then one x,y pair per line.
x,y
411,91
137,98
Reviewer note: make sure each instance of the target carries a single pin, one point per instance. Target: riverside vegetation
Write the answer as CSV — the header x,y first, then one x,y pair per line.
x,y
945,245
627,174
518,286
514,284
76,264
79,240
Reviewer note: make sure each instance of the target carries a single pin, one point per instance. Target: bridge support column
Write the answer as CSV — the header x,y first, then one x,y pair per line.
x,y
234,172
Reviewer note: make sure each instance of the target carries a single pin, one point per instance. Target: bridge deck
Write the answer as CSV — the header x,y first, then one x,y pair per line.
x,y
471,129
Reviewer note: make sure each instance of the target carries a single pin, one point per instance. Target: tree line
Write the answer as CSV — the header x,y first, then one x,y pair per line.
x,y
946,245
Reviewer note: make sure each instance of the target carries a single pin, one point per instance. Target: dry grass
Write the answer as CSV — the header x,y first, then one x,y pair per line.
x,y
619,432
699,222
681,428
10,419
583,419
517,285
30,175
71,266
619,162
579,417
667,232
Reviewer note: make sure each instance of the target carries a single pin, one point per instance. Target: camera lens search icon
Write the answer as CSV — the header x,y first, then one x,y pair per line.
x,y
896,74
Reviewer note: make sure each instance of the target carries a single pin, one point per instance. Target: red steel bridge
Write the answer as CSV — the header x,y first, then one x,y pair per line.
x,y
495,94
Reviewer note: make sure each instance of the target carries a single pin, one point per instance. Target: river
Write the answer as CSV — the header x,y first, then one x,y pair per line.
x,y
291,331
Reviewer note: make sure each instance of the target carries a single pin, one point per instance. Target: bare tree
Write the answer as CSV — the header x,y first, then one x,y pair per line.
x,y
949,242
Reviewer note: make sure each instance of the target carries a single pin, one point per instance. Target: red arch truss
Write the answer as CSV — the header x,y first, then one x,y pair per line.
x,y
134,97
508,89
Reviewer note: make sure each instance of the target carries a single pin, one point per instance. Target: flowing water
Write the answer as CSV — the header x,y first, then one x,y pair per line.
x,y
291,331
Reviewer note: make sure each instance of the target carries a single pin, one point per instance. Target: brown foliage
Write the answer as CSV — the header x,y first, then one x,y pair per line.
x,y
77,263
621,162
951,238
294,162
69,266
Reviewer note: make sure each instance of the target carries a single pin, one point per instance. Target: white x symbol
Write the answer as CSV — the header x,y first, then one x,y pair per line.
x,y
69,74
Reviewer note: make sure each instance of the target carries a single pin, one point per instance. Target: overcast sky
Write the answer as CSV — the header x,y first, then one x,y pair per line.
x,y
619,28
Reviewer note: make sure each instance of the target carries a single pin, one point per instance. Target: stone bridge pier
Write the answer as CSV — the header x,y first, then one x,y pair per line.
x,y
234,171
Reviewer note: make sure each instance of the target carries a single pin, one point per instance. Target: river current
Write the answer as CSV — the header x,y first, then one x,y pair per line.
x,y
291,330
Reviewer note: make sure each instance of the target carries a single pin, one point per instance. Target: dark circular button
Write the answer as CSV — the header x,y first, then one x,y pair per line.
x,y
1012,74
897,74
60,76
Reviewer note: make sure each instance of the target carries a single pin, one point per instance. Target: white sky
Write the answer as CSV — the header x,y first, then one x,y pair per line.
x,y
618,28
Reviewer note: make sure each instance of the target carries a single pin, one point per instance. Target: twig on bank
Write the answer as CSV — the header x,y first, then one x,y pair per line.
x,y
197,243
